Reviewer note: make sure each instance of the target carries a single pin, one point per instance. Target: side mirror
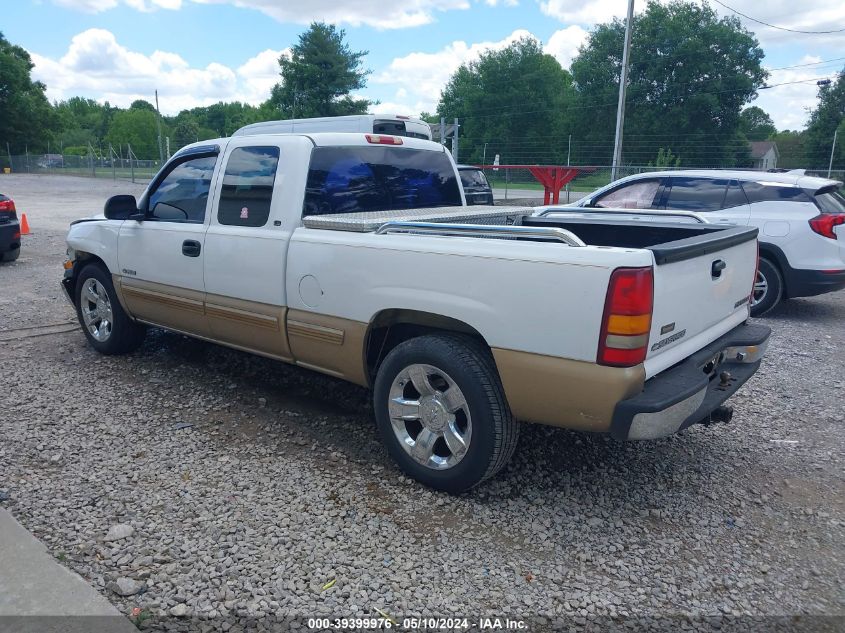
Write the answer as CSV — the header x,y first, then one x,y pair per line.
x,y
120,207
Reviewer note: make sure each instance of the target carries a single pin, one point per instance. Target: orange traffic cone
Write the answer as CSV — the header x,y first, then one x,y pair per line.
x,y
24,225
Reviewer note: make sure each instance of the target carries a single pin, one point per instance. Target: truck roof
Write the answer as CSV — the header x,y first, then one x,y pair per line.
x,y
324,139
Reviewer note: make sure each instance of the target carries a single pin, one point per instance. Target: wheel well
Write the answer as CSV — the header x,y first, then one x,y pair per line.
x,y
83,259
391,327
775,256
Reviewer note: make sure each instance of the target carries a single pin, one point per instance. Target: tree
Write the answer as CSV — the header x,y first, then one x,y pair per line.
x,y
26,118
756,124
791,150
319,75
824,120
138,128
186,131
665,158
690,74
515,101
140,104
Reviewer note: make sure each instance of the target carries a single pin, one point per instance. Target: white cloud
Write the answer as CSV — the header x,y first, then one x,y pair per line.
x,y
88,6
420,76
96,65
584,11
373,13
788,104
825,15
563,44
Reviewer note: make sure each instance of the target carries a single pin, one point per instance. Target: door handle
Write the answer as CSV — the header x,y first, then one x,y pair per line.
x,y
716,269
191,248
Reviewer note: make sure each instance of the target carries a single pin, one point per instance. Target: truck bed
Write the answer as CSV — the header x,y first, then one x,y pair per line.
x,y
669,241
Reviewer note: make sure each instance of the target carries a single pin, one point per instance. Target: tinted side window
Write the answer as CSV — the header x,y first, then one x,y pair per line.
x,y
357,179
831,201
637,195
765,192
248,186
183,194
734,196
696,194
473,178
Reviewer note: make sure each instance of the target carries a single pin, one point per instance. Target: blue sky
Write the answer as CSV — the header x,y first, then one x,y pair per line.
x,y
197,52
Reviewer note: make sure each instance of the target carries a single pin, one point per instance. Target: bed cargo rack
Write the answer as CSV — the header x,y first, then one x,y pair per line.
x,y
476,230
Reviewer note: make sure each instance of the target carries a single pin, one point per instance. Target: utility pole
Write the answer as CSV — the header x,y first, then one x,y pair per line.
x,y
830,164
484,156
568,157
623,83
455,141
158,121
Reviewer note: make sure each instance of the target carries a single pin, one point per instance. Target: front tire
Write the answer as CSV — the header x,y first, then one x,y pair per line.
x,y
442,413
768,288
107,327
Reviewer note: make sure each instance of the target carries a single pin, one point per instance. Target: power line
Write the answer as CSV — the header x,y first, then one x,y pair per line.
x,y
774,26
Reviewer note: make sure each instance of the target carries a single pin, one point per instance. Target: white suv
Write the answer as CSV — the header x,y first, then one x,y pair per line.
x,y
801,221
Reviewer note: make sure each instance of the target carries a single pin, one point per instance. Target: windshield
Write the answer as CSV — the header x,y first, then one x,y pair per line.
x,y
473,178
378,178
831,201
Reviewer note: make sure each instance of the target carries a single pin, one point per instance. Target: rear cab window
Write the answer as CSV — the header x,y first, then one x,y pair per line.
x,y
358,179
248,186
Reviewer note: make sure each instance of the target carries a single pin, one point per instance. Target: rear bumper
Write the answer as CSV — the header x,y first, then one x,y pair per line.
x,y
808,283
689,392
10,236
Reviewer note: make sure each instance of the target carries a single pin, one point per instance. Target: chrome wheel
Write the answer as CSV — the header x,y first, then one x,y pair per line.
x,y
96,309
430,416
761,288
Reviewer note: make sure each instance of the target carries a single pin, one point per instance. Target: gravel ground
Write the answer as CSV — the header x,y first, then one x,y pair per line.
x,y
210,489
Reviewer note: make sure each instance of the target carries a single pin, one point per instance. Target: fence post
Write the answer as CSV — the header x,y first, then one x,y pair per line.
x,y
131,166
26,153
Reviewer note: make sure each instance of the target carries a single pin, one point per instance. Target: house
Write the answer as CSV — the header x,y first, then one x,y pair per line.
x,y
764,154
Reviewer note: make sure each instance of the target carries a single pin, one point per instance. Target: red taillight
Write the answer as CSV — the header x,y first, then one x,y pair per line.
x,y
623,341
823,224
383,139
7,205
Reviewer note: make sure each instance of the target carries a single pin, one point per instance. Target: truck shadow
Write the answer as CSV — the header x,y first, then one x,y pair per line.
x,y
565,468
817,310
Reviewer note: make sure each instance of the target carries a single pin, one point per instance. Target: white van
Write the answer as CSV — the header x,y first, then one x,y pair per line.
x,y
393,124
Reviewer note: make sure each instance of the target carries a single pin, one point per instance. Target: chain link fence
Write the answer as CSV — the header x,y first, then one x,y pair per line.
x,y
521,183
115,167
512,183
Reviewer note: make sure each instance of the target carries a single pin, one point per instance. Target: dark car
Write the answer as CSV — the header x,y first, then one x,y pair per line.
x,y
10,230
476,188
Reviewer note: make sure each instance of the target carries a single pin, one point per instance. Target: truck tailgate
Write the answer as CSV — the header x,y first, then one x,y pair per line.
x,y
701,291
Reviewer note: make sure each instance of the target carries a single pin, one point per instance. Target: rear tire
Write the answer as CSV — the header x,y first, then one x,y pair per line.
x,y
442,413
10,256
768,288
107,327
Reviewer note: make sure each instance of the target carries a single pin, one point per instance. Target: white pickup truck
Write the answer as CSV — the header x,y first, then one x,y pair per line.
x,y
354,255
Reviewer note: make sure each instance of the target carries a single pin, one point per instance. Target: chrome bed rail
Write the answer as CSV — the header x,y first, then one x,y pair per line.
x,y
476,230
652,212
